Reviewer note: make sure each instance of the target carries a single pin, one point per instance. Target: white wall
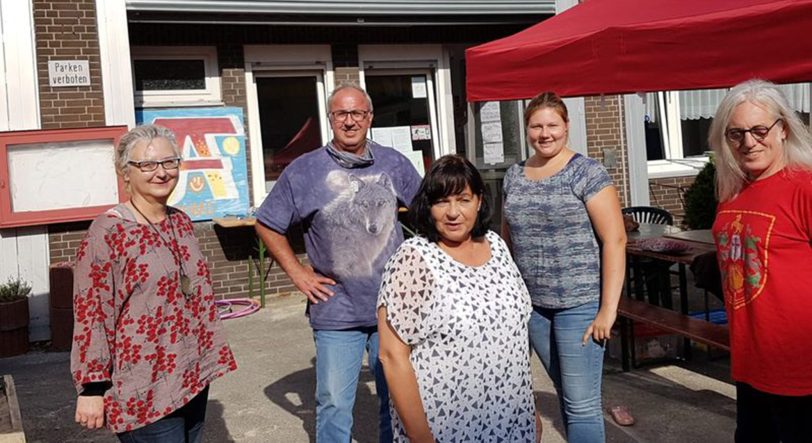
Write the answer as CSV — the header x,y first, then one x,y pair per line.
x,y
23,251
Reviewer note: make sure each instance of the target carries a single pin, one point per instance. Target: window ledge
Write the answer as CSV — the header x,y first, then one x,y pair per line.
x,y
683,167
177,104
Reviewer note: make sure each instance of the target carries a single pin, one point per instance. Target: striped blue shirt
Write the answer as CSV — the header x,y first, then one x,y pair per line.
x,y
554,243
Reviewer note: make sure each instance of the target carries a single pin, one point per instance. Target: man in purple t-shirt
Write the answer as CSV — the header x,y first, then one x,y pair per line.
x,y
346,196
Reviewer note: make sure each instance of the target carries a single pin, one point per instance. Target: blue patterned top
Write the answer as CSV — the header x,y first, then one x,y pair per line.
x,y
554,243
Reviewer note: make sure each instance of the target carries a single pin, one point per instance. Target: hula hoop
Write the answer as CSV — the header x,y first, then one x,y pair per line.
x,y
225,308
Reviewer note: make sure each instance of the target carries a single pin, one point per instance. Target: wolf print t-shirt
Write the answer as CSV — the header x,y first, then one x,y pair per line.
x,y
764,243
552,237
350,225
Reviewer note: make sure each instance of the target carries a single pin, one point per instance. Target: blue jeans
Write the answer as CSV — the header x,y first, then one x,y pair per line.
x,y
762,417
575,369
185,425
339,355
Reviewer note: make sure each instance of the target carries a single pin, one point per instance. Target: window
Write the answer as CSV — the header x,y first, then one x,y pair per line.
x,y
289,118
404,112
286,94
677,125
175,76
410,86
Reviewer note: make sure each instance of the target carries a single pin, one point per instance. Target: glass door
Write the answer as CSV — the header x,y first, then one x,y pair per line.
x,y
290,119
404,115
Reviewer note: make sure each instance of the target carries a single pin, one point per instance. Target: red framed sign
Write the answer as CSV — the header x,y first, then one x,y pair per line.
x,y
58,175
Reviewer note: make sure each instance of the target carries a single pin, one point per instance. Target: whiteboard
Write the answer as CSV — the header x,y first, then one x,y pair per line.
x,y
61,175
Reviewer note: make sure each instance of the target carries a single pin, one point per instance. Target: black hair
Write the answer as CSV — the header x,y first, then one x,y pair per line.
x,y
449,175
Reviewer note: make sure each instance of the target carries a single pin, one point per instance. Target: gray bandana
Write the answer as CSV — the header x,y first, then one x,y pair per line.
x,y
350,161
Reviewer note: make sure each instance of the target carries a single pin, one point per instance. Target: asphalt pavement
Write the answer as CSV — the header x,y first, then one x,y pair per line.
x,y
270,397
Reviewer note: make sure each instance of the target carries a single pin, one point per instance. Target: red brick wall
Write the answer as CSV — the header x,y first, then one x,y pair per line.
x,y
604,130
347,75
66,30
667,193
63,239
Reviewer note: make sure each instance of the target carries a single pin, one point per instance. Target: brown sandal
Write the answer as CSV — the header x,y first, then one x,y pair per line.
x,y
621,415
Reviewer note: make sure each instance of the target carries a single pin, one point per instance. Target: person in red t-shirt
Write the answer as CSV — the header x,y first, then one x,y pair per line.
x,y
763,234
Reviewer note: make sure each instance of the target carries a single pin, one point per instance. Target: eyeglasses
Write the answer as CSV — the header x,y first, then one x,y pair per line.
x,y
152,165
736,135
356,114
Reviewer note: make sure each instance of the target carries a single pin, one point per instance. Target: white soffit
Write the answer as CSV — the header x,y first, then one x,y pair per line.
x,y
353,7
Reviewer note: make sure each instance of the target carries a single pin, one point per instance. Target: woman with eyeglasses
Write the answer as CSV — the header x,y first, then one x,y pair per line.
x,y
763,234
147,340
562,217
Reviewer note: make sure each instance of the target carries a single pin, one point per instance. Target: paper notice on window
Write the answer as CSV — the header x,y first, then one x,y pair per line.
x,y
492,132
421,132
398,137
419,86
416,157
402,138
493,153
489,112
381,136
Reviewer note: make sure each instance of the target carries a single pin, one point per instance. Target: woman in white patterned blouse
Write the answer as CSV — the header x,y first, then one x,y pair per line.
x,y
452,319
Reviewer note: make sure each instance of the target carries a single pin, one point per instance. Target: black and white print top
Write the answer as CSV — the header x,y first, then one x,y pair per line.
x,y
467,327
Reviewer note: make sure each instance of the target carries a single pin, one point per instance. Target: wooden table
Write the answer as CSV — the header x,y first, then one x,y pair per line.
x,y
698,244
682,258
259,264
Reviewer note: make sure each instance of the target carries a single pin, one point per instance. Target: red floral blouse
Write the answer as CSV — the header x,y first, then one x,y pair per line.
x,y
134,327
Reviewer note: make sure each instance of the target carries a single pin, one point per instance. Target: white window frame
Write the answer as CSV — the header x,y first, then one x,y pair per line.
x,y
675,164
282,60
399,59
211,95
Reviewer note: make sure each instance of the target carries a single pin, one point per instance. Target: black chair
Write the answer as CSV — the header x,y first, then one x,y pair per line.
x,y
646,276
649,214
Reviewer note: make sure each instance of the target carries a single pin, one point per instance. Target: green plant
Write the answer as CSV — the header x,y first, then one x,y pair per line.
x,y
700,199
14,289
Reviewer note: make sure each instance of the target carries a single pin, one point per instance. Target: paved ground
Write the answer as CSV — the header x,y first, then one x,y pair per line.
x,y
270,397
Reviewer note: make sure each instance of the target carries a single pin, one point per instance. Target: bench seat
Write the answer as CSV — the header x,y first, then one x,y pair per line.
x,y
671,321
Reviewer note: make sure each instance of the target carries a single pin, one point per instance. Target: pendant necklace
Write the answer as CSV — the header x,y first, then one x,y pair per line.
x,y
185,282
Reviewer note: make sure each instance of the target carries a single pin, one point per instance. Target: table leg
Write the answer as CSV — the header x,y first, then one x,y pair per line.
x,y
262,272
683,302
626,335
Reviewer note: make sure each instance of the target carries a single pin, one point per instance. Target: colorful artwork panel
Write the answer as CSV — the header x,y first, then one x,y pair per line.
x,y
213,178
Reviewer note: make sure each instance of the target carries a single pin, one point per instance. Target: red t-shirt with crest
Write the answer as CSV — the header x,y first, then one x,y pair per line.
x,y
764,243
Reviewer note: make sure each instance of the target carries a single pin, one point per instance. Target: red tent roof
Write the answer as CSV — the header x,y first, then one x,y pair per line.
x,y
626,46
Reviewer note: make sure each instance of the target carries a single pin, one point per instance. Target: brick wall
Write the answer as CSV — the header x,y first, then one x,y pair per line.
x,y
604,129
667,193
63,239
347,75
66,30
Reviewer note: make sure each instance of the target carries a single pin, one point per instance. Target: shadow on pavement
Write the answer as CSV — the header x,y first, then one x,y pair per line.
x,y
216,429
295,393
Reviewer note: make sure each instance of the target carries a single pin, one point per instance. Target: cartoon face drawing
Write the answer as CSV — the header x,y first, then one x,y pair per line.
x,y
362,217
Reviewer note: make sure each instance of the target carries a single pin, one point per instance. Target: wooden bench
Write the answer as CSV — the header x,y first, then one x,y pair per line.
x,y
631,310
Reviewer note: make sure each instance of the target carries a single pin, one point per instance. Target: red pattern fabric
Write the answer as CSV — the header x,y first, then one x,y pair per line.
x,y
764,242
135,328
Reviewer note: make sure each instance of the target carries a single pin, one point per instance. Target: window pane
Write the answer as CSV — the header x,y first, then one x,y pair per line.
x,y
166,75
695,136
502,127
655,149
399,101
289,120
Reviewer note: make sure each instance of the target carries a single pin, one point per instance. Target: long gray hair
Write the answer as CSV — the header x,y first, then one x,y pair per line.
x,y
730,178
141,133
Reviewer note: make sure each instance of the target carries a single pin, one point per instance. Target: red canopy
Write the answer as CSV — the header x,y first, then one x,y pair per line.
x,y
626,46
